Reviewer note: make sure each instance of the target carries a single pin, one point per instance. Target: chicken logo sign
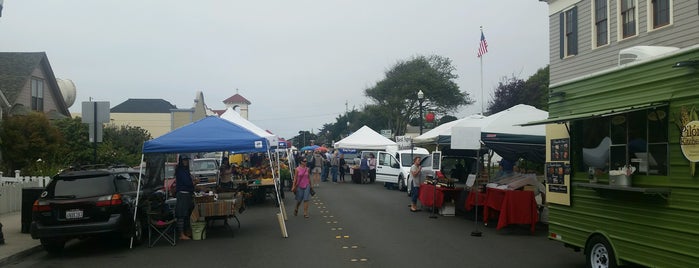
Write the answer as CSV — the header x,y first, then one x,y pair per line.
x,y
688,123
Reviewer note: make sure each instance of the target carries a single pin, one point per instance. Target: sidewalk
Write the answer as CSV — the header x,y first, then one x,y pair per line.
x,y
17,245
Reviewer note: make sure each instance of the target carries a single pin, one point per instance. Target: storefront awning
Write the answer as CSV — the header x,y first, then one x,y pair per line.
x,y
596,114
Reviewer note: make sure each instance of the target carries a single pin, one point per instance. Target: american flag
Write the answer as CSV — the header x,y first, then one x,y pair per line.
x,y
483,47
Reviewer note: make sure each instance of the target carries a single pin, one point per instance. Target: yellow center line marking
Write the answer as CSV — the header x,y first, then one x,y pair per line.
x,y
338,237
347,236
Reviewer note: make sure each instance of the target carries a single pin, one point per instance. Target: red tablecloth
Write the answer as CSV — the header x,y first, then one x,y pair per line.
x,y
493,200
471,200
427,195
515,207
518,207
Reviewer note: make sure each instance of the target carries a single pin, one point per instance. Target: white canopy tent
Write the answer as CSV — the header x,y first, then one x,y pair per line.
x,y
233,116
442,133
365,138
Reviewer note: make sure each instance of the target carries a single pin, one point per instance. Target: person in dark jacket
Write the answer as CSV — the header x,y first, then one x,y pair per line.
x,y
185,195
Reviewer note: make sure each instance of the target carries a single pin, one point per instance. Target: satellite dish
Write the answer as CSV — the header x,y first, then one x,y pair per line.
x,y
68,91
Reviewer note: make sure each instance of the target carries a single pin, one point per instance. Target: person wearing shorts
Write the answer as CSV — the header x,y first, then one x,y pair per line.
x,y
318,167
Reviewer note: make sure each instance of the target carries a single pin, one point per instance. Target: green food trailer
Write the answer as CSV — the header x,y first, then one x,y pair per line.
x,y
622,146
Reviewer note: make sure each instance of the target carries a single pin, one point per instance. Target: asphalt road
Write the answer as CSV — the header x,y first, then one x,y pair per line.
x,y
350,226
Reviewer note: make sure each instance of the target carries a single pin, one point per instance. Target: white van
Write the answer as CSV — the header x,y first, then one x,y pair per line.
x,y
393,165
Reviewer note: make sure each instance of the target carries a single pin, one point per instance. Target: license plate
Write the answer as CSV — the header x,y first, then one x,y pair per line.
x,y
74,214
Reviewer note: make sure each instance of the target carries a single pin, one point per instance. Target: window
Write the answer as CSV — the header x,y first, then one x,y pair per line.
x,y
638,138
37,94
601,20
660,13
569,32
627,13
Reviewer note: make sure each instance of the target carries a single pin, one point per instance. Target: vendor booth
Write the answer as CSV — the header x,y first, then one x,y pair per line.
x,y
499,134
364,138
210,134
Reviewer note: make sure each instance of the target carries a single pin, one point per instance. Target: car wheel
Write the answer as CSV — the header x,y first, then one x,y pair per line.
x,y
599,253
138,231
401,183
53,245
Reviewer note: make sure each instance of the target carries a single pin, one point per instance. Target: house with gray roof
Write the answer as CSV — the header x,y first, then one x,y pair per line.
x,y
27,83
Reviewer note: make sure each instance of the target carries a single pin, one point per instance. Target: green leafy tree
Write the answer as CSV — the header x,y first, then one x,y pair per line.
x,y
76,148
512,91
396,94
25,140
123,144
447,119
120,144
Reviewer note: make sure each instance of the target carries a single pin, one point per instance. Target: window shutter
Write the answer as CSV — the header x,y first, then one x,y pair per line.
x,y
574,37
562,34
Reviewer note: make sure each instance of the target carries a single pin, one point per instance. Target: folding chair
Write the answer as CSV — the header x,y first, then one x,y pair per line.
x,y
161,221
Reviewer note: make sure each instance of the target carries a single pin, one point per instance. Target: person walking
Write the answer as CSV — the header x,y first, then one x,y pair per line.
x,y
317,167
417,179
343,167
326,167
185,196
302,187
334,164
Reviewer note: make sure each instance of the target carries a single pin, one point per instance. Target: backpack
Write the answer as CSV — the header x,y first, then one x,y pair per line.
x,y
311,164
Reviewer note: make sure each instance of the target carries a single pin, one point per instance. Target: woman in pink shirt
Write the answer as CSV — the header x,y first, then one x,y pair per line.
x,y
302,188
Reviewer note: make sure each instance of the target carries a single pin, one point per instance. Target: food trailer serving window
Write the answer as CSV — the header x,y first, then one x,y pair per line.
x,y
638,138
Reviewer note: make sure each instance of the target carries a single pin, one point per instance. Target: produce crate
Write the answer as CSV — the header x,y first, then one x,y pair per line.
x,y
204,199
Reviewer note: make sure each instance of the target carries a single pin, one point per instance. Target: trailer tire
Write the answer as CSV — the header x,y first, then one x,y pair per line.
x,y
599,253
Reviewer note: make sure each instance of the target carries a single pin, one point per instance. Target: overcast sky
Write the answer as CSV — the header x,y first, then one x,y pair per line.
x,y
297,61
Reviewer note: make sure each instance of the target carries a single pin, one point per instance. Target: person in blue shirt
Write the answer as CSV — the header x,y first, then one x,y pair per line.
x,y
364,169
185,194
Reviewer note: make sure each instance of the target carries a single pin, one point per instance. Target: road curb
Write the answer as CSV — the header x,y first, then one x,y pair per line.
x,y
19,255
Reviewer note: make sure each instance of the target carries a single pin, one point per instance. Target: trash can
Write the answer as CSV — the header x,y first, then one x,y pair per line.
x,y
29,195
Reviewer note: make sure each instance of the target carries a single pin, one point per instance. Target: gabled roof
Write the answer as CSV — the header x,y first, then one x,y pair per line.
x,y
144,106
237,99
17,67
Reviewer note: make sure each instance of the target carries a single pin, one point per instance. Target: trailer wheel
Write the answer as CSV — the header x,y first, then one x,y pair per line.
x,y
599,253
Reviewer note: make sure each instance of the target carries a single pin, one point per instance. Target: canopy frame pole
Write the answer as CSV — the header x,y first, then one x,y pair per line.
x,y
138,195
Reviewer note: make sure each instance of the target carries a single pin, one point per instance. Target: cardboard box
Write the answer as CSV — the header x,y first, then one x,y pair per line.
x,y
447,210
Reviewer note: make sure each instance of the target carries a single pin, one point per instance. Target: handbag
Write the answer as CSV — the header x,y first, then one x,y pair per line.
x,y
313,192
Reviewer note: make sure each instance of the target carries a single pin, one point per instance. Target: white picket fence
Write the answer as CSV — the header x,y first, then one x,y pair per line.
x,y
11,190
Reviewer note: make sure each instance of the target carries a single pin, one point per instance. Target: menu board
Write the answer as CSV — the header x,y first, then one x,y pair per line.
x,y
560,149
555,176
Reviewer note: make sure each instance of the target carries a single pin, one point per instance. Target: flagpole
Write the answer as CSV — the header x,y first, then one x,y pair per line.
x,y
482,94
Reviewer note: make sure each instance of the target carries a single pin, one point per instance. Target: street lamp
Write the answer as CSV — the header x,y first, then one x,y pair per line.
x,y
420,98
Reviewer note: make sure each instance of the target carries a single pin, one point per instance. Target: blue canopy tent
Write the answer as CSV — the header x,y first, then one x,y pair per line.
x,y
210,134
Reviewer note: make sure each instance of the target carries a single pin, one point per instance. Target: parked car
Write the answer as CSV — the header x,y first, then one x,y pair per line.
x,y
87,202
206,169
405,160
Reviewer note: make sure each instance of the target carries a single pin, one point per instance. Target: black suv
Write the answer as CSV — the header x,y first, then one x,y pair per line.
x,y
86,202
